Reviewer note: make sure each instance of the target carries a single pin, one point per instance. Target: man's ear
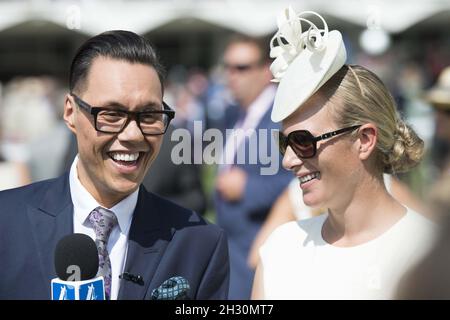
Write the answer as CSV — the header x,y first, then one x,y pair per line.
x,y
69,113
367,135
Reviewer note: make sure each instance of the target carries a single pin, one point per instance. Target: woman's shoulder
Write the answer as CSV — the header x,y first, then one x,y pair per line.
x,y
419,220
421,226
415,226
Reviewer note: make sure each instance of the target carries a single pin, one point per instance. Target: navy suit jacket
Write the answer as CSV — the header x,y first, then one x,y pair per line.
x,y
243,219
165,240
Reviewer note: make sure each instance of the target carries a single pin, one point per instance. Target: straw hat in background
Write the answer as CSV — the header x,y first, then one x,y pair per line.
x,y
439,94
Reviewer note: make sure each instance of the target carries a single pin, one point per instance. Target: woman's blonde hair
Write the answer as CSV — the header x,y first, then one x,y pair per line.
x,y
360,97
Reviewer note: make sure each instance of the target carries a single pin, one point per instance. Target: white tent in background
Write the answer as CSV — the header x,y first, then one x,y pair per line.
x,y
255,17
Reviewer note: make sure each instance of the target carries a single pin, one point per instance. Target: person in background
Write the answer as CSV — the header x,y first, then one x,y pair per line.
x,y
180,183
429,279
12,174
243,196
439,97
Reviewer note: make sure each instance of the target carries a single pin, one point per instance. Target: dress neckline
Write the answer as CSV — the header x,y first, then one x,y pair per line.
x,y
385,234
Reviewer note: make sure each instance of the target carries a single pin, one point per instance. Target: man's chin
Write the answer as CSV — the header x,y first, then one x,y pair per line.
x,y
125,188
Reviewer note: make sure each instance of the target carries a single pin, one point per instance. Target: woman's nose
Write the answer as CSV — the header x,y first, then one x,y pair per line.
x,y
290,159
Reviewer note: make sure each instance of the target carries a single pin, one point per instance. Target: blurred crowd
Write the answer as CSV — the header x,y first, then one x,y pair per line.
x,y
34,141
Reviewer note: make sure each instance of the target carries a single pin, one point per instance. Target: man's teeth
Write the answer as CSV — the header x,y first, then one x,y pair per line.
x,y
309,177
125,156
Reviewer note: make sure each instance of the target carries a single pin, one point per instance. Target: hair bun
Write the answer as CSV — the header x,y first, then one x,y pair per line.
x,y
407,150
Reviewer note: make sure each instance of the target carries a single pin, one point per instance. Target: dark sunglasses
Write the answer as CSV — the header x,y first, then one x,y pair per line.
x,y
303,143
240,67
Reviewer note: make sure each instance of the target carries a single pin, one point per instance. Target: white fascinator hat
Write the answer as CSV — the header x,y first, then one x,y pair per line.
x,y
304,60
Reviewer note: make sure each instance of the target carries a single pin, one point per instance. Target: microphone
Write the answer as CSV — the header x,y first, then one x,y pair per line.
x,y
76,265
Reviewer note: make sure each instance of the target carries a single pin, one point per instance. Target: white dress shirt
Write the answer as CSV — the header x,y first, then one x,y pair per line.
x,y
83,204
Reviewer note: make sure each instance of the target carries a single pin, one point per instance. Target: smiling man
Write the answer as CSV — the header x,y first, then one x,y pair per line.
x,y
115,109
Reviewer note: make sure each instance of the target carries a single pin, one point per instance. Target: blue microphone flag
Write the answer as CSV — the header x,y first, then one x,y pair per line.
x,y
92,289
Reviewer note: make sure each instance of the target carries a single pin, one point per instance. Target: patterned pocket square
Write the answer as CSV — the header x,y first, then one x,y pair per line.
x,y
175,288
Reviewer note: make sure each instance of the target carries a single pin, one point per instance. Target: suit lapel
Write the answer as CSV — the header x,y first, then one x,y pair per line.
x,y
149,235
50,220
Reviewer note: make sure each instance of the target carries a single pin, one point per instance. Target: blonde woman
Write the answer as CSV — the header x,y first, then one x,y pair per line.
x,y
340,133
289,206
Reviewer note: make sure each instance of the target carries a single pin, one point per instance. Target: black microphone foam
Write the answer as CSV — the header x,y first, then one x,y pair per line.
x,y
77,250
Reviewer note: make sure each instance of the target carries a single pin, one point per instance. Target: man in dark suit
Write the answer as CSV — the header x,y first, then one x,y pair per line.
x,y
180,183
245,191
115,108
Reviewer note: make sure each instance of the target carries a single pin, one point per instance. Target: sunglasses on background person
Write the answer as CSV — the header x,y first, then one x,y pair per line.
x,y
240,67
304,144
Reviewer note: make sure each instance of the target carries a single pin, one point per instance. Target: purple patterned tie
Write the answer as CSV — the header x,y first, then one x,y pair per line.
x,y
103,221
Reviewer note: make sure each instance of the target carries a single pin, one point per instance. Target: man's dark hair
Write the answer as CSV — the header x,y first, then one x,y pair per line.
x,y
116,44
262,43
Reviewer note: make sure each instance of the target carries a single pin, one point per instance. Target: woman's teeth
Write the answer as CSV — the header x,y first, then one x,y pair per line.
x,y
309,177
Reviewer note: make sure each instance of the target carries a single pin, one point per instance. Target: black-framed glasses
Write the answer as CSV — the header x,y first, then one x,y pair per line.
x,y
304,144
108,120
